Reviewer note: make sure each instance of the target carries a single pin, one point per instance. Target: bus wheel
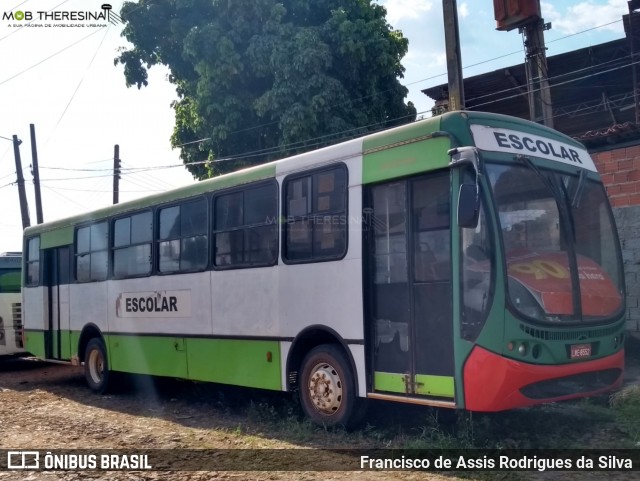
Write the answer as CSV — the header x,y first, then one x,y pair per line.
x,y
96,366
327,387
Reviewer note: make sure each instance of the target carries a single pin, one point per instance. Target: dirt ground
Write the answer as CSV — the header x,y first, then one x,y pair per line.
x,y
48,406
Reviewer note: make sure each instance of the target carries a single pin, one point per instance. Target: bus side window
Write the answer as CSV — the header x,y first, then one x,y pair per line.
x,y
245,228
132,245
315,210
32,276
91,260
182,232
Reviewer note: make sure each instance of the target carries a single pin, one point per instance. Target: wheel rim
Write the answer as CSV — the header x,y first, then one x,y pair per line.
x,y
325,389
96,366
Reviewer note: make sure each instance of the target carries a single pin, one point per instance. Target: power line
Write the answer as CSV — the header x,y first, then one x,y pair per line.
x,y
316,140
429,78
7,175
105,191
144,181
21,3
84,207
564,83
515,52
405,85
286,146
517,87
105,169
81,80
308,142
583,31
50,56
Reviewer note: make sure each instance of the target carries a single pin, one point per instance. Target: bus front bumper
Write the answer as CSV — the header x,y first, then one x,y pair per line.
x,y
496,383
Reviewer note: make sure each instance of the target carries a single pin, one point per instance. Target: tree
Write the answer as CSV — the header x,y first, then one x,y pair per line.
x,y
261,79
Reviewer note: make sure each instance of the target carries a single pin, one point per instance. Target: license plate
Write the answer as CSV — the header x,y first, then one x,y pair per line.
x,y
580,350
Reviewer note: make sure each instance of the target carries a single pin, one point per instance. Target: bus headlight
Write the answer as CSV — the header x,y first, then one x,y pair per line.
x,y
524,301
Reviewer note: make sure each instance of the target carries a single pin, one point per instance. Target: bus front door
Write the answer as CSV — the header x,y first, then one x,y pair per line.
x,y
410,290
58,267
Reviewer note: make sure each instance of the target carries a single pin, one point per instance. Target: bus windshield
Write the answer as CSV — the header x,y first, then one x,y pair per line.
x,y
563,260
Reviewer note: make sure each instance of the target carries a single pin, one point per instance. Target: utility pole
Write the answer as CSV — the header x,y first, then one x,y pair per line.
x,y
634,43
24,208
526,16
36,174
454,60
116,173
540,108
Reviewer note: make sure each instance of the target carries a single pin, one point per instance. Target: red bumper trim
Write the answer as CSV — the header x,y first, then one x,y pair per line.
x,y
493,382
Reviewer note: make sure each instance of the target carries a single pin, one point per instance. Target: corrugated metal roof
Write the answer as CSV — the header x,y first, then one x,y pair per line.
x,y
591,92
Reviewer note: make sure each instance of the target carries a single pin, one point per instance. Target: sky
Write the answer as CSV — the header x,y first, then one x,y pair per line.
x,y
62,79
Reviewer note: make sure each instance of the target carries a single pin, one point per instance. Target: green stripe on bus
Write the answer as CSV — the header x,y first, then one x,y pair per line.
x,y
67,346
390,382
34,343
57,237
435,385
401,134
235,361
10,282
226,361
157,356
429,385
411,158
74,342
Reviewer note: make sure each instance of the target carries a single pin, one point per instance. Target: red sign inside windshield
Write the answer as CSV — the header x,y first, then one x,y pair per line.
x,y
547,276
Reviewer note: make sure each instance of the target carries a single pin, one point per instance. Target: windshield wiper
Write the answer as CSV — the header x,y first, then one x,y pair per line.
x,y
567,225
561,195
547,182
577,194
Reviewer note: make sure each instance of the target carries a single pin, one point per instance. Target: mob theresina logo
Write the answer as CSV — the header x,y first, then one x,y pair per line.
x,y
57,18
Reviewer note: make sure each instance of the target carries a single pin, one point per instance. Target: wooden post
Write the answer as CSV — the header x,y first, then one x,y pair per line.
x,y
454,61
116,173
24,208
36,175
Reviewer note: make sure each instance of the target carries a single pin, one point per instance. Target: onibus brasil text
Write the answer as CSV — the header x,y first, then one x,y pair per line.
x,y
32,460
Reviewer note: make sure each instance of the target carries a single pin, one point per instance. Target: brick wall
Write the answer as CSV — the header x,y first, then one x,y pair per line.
x,y
620,171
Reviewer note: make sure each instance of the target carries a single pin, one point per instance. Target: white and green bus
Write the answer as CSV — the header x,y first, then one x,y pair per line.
x,y
10,304
466,261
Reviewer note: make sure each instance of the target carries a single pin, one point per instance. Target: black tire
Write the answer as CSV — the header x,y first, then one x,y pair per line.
x,y
327,387
96,366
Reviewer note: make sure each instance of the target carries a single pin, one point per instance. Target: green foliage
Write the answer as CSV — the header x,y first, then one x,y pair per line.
x,y
261,79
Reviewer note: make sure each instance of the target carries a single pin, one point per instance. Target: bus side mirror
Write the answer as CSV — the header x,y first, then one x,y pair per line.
x,y
468,205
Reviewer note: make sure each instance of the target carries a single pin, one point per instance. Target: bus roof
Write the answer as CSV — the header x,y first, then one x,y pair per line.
x,y
10,260
456,123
